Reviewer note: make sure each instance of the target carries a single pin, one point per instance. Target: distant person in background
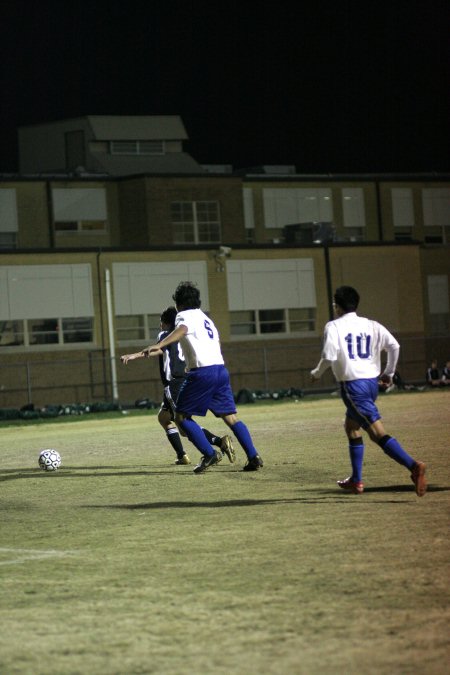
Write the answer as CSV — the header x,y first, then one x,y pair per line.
x,y
352,347
172,367
433,377
446,374
398,383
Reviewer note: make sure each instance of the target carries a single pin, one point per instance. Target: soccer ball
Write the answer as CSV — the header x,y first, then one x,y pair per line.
x,y
49,460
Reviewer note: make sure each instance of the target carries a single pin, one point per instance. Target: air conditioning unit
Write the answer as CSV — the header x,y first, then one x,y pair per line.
x,y
309,233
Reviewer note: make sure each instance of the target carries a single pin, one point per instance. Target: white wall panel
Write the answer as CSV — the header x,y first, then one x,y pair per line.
x,y
147,288
8,210
46,291
353,207
270,284
402,207
79,204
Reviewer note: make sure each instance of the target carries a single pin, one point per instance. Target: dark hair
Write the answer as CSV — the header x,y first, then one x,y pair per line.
x,y
168,316
187,296
347,298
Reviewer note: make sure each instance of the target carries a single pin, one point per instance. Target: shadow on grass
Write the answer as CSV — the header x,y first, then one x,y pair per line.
x,y
320,496
208,505
91,472
114,471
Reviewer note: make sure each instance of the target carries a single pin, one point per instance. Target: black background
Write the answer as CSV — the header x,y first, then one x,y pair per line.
x,y
327,86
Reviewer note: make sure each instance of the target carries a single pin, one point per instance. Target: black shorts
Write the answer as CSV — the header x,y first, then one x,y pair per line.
x,y
170,396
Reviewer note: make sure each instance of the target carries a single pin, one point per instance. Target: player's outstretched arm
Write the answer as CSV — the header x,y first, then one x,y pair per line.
x,y
153,350
131,357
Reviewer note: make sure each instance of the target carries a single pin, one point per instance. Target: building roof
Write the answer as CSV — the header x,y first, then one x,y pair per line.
x,y
121,127
137,127
176,162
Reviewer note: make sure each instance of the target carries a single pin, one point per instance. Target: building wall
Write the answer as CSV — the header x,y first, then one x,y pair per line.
x,y
138,209
42,147
391,280
264,234
33,208
161,192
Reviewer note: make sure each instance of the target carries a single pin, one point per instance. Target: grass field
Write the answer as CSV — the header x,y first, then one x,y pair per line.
x,y
122,563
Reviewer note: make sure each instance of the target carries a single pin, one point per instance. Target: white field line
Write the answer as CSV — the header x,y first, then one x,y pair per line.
x,y
22,555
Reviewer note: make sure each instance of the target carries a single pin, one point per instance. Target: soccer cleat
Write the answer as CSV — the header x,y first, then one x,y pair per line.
x,y
253,464
184,459
418,478
206,462
357,487
226,446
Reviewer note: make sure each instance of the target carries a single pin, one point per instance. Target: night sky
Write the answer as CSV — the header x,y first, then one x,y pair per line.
x,y
331,87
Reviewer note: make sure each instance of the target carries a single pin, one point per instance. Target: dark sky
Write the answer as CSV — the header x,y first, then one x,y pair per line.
x,y
327,86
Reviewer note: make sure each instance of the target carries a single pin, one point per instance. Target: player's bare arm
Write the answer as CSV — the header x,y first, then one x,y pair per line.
x,y
131,357
319,370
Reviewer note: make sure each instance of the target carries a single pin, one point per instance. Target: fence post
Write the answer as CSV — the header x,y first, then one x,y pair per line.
x,y
27,367
112,345
266,374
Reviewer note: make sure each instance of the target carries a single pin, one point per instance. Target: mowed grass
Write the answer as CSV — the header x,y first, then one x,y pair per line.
x,y
123,563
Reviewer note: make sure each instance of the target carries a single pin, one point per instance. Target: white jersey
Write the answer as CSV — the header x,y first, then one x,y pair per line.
x,y
353,345
201,344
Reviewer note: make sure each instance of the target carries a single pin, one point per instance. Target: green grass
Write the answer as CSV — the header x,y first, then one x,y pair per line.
x,y
122,563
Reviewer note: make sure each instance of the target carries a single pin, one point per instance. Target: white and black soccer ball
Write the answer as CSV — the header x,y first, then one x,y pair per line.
x,y
49,460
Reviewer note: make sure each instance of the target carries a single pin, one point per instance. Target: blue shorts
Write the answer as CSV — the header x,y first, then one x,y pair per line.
x,y
359,397
204,389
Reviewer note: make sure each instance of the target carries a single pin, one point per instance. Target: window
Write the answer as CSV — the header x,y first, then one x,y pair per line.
x,y
137,147
38,332
243,323
354,215
288,206
403,234
355,233
273,321
196,222
11,333
143,290
132,329
46,305
9,224
436,215
8,240
270,297
402,208
79,210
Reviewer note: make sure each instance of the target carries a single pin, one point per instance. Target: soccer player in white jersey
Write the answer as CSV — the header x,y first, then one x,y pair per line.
x,y
172,368
207,384
352,347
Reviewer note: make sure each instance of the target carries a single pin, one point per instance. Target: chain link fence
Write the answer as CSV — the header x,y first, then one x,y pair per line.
x,y
53,381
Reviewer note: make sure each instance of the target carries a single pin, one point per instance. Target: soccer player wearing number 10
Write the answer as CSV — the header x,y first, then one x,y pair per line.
x,y
352,347
207,384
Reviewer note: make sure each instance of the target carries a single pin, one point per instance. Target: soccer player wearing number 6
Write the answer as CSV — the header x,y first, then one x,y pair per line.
x,y
207,384
352,347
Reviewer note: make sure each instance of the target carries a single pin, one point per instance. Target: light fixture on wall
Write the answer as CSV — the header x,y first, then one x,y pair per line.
x,y
219,257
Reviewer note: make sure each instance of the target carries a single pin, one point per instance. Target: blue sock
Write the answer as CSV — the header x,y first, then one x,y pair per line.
x,y
394,450
195,434
356,449
245,440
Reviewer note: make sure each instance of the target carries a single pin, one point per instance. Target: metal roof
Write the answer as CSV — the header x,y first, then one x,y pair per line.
x,y
137,127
